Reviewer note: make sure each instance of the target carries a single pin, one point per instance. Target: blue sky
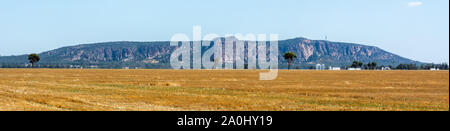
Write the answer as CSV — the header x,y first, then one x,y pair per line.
x,y
416,29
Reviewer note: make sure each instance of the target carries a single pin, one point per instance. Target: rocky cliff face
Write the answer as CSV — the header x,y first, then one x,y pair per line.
x,y
336,53
308,52
111,52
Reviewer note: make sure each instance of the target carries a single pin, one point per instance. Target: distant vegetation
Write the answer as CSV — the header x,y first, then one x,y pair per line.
x,y
288,56
443,66
357,64
375,66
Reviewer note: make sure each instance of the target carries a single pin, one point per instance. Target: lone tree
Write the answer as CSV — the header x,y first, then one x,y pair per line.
x,y
289,56
33,58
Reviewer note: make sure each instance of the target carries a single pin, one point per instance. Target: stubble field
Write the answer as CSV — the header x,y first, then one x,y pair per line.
x,y
222,90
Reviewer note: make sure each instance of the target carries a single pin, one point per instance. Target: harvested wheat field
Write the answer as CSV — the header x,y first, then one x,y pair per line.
x,y
218,90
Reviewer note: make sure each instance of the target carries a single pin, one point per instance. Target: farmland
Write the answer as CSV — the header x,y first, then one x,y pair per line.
x,y
221,90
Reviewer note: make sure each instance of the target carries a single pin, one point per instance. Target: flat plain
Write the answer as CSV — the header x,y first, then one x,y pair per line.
x,y
221,90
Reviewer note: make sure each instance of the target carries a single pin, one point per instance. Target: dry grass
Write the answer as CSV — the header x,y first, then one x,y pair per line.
x,y
61,89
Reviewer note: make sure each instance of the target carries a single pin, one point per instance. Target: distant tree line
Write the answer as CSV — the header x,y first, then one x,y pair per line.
x,y
13,65
368,66
443,66
289,56
375,66
86,66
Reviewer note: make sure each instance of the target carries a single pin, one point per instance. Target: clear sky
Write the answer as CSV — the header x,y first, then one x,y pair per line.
x,y
416,29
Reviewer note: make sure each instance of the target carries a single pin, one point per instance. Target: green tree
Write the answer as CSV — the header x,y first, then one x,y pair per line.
x,y
372,65
357,64
445,66
290,56
33,58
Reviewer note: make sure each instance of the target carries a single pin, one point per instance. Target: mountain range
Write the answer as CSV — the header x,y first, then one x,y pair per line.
x,y
157,54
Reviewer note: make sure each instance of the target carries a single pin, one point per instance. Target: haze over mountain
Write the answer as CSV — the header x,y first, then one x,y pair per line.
x,y
157,54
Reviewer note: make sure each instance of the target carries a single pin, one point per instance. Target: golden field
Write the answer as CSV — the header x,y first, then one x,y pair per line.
x,y
222,90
